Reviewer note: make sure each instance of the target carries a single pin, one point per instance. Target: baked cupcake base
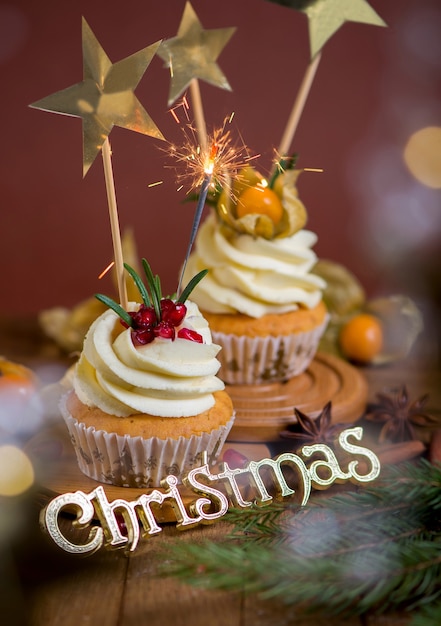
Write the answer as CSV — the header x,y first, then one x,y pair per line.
x,y
124,452
272,348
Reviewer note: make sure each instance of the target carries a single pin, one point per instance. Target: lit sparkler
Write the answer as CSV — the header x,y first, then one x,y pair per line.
x,y
207,168
206,182
222,158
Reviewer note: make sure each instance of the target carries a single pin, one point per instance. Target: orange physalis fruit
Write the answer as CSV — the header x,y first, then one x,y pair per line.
x,y
361,338
16,379
261,200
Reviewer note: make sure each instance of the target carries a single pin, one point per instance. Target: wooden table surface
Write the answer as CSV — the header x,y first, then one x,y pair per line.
x,y
42,585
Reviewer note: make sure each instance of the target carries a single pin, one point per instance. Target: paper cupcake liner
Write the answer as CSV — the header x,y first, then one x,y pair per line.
x,y
128,461
254,360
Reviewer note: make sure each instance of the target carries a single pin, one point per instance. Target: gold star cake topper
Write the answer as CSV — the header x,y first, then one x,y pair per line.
x,y
105,97
193,54
325,17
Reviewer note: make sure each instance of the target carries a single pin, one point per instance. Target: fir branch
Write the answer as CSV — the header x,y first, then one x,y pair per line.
x,y
373,550
429,615
411,490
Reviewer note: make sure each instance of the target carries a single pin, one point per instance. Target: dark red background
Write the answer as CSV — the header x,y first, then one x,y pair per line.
x,y
373,89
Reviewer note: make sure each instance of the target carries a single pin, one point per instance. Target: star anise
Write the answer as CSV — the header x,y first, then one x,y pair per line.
x,y
308,430
399,415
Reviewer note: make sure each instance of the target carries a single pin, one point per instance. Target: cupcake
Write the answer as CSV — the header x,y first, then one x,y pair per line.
x,y
261,298
146,401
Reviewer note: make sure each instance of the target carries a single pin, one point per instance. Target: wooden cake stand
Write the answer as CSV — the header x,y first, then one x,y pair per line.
x,y
263,411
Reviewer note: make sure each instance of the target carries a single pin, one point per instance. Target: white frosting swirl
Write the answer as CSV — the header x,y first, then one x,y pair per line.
x,y
164,378
253,275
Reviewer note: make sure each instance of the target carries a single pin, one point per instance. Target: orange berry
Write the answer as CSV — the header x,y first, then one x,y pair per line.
x,y
261,200
361,338
16,379
17,384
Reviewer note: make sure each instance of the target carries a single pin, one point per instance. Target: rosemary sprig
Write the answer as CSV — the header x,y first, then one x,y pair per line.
x,y
117,308
139,284
154,284
151,294
373,550
191,285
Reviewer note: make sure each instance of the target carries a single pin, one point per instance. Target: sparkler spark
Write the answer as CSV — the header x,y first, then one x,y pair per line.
x,y
106,269
222,159
281,164
183,104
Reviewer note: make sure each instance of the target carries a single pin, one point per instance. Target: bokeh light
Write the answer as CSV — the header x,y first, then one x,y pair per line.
x,y
422,155
16,471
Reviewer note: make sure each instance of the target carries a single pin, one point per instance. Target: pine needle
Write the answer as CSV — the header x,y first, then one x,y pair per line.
x,y
372,550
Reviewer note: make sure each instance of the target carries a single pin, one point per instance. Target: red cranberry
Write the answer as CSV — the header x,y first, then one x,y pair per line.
x,y
164,330
167,305
234,459
122,526
176,314
145,316
146,326
191,335
132,314
142,337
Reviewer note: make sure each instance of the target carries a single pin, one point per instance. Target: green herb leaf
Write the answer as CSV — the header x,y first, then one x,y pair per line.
x,y
139,284
115,307
155,288
191,285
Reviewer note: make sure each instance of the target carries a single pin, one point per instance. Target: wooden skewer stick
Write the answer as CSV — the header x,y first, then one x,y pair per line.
x,y
299,104
198,113
114,224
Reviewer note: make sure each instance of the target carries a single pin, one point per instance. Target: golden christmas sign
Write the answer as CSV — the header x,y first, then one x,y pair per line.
x,y
218,492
